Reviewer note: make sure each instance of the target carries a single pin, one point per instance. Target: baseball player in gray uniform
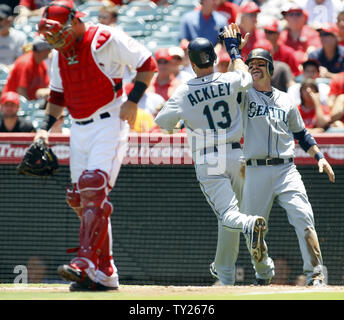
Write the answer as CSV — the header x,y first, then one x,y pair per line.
x,y
209,107
271,123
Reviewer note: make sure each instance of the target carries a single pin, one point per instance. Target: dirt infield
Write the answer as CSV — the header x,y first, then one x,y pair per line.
x,y
143,290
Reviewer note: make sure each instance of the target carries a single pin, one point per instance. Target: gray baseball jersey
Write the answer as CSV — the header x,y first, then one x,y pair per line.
x,y
269,124
207,105
210,108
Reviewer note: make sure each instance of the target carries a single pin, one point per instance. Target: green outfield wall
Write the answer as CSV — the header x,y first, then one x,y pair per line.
x,y
164,231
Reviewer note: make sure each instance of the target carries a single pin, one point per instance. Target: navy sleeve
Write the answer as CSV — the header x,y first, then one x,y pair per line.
x,y
305,139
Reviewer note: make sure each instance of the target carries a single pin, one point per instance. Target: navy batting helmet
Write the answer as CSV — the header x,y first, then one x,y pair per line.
x,y
201,52
260,53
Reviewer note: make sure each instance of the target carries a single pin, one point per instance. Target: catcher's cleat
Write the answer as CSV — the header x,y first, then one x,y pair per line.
x,y
89,286
254,235
68,273
262,282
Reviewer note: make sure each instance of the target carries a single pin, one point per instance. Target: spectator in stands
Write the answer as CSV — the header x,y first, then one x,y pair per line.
x,y
301,280
177,54
108,15
223,61
10,122
29,76
270,10
12,3
150,101
11,40
118,2
336,88
228,9
331,54
282,271
310,71
30,8
282,77
280,51
247,21
315,115
186,65
36,269
340,25
321,11
298,35
337,113
205,23
144,121
164,82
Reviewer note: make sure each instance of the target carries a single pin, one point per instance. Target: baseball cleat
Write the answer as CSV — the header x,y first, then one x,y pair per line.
x,y
262,282
255,238
316,283
213,271
68,273
89,285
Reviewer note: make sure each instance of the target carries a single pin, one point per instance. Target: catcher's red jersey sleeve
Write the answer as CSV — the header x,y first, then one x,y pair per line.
x,y
149,65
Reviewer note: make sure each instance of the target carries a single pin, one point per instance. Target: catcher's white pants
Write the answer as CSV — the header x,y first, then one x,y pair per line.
x,y
101,145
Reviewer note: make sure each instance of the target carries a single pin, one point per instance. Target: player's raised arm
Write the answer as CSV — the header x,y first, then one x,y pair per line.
x,y
233,42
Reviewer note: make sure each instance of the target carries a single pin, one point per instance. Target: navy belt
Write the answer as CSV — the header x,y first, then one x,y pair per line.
x,y
101,116
235,145
268,161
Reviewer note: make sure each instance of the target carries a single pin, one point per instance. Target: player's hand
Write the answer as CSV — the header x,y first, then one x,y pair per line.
x,y
236,30
128,112
42,134
314,95
233,31
325,166
323,72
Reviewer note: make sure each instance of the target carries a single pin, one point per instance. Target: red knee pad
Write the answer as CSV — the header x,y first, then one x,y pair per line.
x,y
73,198
93,188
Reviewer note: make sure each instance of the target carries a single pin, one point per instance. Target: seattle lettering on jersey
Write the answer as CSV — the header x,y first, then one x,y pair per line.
x,y
258,110
210,92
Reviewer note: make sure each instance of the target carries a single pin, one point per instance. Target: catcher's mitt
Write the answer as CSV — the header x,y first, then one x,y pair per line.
x,y
39,160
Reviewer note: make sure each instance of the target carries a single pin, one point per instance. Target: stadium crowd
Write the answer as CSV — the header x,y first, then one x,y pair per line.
x,y
305,38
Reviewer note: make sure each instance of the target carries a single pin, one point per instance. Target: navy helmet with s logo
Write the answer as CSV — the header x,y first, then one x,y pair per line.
x,y
260,53
201,52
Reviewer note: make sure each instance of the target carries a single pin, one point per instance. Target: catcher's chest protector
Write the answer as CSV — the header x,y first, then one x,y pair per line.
x,y
86,88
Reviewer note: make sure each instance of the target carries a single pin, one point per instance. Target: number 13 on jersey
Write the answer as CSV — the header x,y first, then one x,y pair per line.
x,y
219,106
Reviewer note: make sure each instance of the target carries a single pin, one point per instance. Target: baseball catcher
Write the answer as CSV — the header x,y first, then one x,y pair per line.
x,y
88,64
39,160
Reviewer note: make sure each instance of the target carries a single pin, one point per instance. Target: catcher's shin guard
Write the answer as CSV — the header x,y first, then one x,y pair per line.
x,y
105,262
96,209
73,199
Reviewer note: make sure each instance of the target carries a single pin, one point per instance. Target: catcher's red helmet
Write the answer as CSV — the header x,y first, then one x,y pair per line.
x,y
62,11
55,24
